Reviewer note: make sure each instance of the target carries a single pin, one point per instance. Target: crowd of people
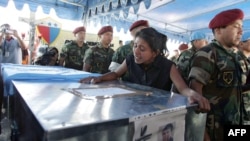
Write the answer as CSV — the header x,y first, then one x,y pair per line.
x,y
214,74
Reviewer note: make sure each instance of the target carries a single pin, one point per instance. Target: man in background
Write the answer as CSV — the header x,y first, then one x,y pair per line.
x,y
197,40
244,54
120,43
98,58
11,45
72,53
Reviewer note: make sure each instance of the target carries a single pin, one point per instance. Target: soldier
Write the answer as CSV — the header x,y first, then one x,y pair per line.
x,y
215,73
198,40
72,52
174,56
244,54
121,53
97,59
120,43
182,47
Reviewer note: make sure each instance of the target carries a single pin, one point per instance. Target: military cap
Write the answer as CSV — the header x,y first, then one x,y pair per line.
x,y
224,18
183,47
105,29
138,23
197,36
78,29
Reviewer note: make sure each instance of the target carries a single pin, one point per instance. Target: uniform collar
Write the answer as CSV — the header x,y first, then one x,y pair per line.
x,y
229,50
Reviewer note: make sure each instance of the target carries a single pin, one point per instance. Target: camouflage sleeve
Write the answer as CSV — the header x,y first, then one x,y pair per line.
x,y
64,51
88,57
183,61
116,55
202,66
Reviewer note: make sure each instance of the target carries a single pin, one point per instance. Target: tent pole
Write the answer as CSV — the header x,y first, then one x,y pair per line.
x,y
31,22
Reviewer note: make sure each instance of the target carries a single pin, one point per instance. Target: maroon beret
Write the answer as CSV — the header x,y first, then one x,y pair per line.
x,y
224,18
105,29
78,29
183,47
138,23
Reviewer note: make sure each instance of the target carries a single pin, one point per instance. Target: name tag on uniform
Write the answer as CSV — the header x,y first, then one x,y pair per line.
x,y
7,54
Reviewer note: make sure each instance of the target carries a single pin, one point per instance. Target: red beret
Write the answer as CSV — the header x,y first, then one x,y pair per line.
x,y
224,18
183,47
78,29
139,23
105,29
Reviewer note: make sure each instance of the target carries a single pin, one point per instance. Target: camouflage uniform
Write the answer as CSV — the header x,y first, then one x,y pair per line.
x,y
122,52
173,59
183,62
246,100
120,55
73,55
220,73
183,65
99,58
245,67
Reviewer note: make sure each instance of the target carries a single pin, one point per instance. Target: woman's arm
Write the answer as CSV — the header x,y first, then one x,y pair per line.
x,y
107,76
182,87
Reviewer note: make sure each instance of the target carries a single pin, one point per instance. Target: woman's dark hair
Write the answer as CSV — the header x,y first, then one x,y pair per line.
x,y
164,39
157,41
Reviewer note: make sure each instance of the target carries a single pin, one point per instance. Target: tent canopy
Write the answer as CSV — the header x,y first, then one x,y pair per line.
x,y
175,18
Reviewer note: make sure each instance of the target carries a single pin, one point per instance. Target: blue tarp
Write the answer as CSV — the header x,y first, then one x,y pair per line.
x,y
11,72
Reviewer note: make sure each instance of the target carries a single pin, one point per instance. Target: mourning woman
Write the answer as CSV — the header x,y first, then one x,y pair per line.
x,y
148,66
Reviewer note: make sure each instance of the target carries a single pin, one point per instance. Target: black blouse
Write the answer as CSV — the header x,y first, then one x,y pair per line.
x,y
156,75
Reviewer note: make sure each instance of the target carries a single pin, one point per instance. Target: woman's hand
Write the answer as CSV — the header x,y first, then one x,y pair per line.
x,y
91,80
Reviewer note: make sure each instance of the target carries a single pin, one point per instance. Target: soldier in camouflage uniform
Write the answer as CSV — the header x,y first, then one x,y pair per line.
x,y
198,40
182,47
175,56
244,54
72,52
121,53
216,73
97,59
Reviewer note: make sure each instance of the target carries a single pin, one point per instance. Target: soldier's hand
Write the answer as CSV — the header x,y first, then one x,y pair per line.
x,y
204,105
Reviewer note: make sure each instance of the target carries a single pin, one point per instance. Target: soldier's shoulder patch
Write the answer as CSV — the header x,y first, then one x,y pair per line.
x,y
228,77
